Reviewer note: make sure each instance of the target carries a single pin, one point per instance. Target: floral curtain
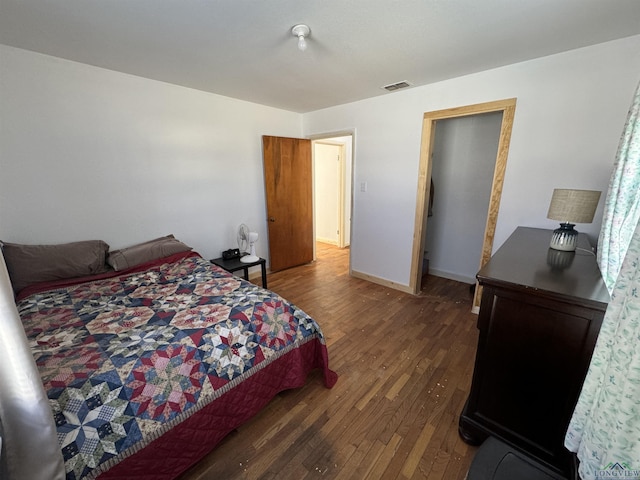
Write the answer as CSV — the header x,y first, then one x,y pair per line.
x,y
622,206
605,428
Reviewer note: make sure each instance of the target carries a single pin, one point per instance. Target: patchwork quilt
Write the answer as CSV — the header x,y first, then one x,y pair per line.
x,y
127,360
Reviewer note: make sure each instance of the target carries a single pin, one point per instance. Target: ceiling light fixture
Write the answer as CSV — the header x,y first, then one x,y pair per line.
x,y
301,31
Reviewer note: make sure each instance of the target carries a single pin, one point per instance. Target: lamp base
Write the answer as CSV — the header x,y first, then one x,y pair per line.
x,y
564,238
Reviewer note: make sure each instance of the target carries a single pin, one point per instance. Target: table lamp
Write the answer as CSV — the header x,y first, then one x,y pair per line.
x,y
571,207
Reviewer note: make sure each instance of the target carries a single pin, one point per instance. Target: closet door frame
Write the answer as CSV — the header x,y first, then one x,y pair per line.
x,y
507,107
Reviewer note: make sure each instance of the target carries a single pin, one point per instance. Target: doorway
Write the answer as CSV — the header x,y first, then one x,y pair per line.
x,y
507,108
332,189
463,161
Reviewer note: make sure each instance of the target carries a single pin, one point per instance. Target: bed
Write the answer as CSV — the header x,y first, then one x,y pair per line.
x,y
148,366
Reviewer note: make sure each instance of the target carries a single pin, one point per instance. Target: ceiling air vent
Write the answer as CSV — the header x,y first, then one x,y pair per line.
x,y
392,87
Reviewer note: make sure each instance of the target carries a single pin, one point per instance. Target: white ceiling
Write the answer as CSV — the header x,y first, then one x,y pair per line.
x,y
244,48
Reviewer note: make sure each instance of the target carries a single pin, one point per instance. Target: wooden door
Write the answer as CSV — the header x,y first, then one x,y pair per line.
x,y
288,185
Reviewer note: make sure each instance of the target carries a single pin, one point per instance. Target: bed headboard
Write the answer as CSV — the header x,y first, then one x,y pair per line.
x,y
30,449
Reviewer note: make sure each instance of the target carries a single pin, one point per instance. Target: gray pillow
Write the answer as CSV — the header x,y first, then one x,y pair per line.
x,y
29,264
145,252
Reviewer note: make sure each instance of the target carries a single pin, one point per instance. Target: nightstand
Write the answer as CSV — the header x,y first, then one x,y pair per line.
x,y
234,264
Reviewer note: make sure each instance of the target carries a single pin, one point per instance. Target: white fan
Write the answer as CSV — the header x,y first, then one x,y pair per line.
x,y
247,239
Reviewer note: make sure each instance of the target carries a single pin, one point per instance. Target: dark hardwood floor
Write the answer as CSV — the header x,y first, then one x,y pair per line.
x,y
405,364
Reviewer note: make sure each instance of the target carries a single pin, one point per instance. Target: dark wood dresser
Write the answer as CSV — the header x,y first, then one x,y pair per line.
x,y
539,318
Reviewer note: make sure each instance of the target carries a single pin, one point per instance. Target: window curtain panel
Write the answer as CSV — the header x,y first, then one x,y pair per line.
x,y
605,428
622,205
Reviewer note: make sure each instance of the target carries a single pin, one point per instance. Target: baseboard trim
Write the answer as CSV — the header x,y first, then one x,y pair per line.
x,y
381,281
452,276
328,241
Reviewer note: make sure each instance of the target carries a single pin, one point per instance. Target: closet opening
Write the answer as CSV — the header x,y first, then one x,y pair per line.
x,y
486,191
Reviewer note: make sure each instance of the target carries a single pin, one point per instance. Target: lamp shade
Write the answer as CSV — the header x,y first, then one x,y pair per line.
x,y
573,206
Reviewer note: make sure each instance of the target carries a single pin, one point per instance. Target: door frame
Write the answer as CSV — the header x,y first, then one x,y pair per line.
x,y
324,137
341,185
507,107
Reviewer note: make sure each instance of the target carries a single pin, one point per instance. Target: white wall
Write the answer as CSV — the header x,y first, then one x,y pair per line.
x,y
570,112
91,153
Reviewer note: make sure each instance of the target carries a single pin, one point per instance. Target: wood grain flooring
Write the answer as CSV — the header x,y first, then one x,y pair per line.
x,y
404,364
